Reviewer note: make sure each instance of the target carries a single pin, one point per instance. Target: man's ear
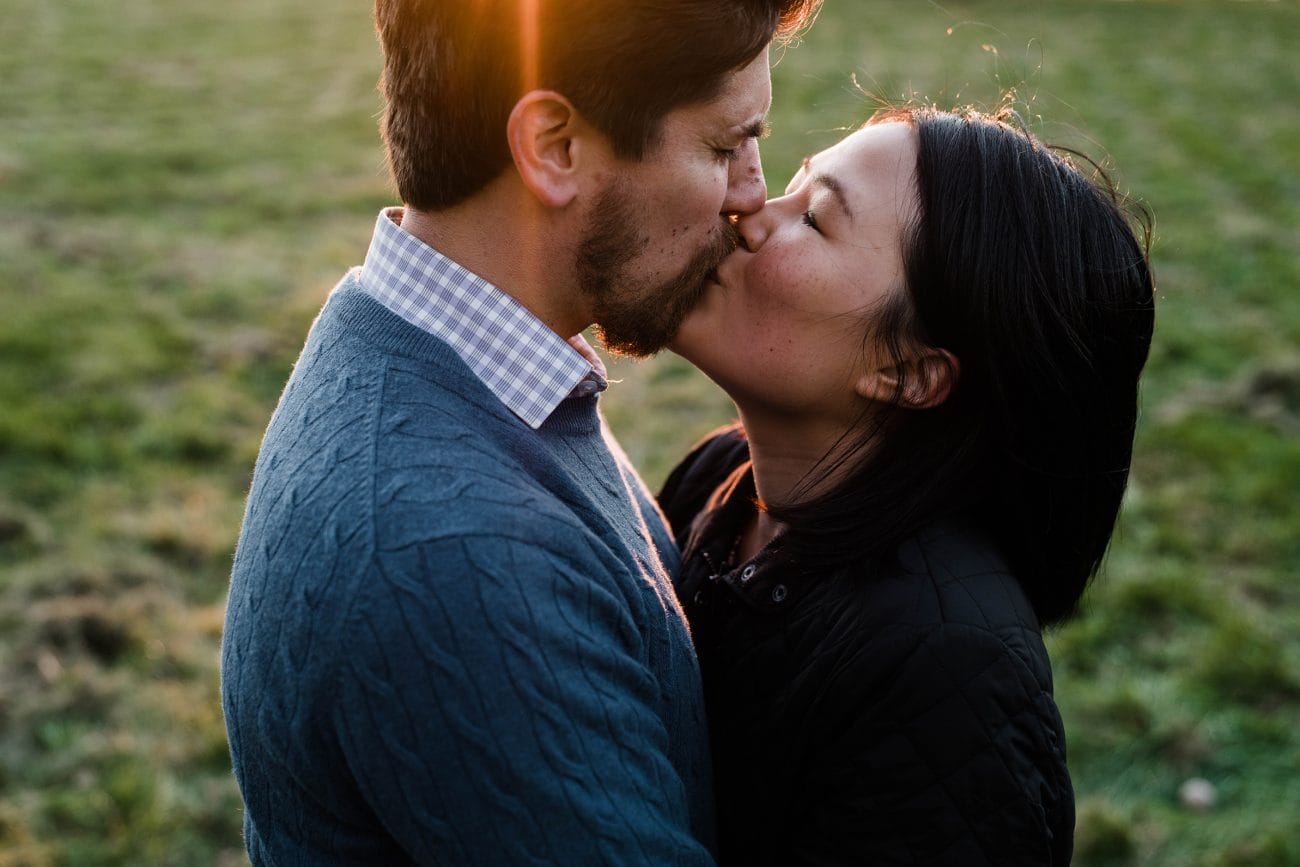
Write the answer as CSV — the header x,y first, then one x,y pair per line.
x,y
542,130
928,379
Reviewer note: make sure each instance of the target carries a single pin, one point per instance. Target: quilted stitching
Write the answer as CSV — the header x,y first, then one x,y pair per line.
x,y
898,717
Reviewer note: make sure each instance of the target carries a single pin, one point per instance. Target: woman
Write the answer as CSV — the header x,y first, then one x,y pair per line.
x,y
934,341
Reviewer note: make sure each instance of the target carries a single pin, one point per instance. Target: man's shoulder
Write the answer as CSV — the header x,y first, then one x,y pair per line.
x,y
423,406
349,548
480,504
362,414
464,466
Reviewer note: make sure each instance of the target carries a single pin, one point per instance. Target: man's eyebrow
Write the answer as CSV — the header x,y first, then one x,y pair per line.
x,y
757,129
829,183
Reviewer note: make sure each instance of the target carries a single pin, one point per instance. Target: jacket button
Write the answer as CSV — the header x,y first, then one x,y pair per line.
x,y
747,573
779,593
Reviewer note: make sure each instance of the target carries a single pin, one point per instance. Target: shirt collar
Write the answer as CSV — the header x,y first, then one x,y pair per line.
x,y
529,367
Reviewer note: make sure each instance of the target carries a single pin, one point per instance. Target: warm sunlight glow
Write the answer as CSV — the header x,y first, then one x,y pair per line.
x,y
529,48
529,37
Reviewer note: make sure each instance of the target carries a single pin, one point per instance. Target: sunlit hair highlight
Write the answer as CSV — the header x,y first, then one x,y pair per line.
x,y
454,70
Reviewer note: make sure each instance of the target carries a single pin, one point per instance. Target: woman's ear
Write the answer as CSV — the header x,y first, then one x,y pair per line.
x,y
928,378
541,130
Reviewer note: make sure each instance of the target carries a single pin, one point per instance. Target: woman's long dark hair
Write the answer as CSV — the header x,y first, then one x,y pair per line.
x,y
1032,275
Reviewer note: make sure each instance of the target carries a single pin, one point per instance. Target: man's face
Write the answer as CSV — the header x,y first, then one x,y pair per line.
x,y
662,224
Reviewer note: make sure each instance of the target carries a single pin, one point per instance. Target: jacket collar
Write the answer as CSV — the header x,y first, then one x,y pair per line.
x,y
769,581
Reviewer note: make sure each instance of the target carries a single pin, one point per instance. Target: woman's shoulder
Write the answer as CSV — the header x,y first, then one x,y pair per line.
x,y
950,586
693,481
945,622
945,572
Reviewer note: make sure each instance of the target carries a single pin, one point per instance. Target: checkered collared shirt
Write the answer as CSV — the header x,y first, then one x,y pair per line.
x,y
526,365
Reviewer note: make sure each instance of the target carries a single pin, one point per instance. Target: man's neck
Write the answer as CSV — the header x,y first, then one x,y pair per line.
x,y
510,245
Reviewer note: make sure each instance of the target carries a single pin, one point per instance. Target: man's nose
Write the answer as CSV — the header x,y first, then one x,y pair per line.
x,y
746,189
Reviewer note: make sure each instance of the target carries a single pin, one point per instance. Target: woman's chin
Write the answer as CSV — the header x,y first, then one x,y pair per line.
x,y
692,333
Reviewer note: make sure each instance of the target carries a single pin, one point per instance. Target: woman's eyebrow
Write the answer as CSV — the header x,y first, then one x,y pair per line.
x,y
829,183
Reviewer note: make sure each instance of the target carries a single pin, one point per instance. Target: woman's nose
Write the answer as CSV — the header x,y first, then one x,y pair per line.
x,y
753,229
746,189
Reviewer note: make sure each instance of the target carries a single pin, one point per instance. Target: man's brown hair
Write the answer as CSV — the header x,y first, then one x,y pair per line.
x,y
453,70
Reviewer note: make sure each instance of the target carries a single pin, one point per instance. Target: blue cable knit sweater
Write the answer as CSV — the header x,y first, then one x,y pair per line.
x,y
451,638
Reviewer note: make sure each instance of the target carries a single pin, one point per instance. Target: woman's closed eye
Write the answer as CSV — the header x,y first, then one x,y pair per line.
x,y
810,220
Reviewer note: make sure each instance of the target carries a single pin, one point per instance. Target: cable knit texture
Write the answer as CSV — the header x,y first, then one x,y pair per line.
x,y
452,639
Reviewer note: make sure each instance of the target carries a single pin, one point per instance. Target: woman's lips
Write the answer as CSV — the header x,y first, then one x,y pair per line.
x,y
728,265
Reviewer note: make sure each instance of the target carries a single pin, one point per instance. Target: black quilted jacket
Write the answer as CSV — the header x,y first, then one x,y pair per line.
x,y
894,717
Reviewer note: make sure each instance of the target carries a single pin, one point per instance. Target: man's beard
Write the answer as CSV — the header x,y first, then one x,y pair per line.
x,y
633,318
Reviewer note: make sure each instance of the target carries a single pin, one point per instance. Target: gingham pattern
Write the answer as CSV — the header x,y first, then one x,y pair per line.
x,y
526,365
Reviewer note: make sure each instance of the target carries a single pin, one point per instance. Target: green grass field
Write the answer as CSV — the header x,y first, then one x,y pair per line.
x,y
181,184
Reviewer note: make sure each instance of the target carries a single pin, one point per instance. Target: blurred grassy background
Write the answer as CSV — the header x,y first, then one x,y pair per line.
x,y
181,184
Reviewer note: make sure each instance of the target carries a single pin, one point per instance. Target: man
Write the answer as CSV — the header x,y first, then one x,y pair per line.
x,y
451,635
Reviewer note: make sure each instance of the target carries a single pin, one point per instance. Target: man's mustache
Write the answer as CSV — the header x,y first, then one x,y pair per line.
x,y
729,239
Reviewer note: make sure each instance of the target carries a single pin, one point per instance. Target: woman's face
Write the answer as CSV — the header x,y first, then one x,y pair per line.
x,y
782,329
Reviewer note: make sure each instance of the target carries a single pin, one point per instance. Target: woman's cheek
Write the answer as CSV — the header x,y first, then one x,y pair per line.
x,y
788,272
768,284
